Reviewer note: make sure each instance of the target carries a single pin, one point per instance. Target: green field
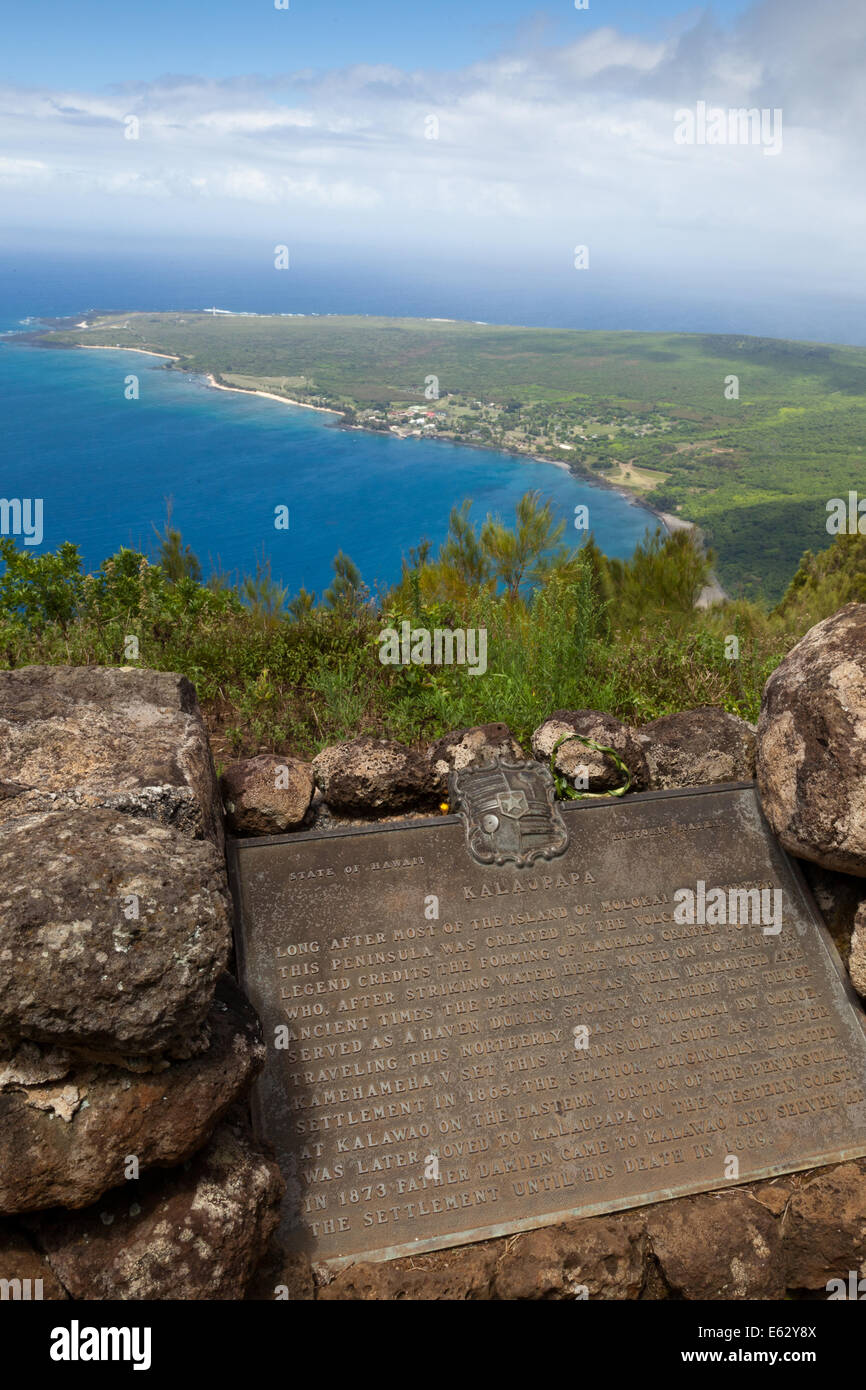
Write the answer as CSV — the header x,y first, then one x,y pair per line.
x,y
646,411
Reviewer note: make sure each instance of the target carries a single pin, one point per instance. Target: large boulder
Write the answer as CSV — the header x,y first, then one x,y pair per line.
x,y
266,795
127,739
196,1232
577,759
811,755
69,1128
369,776
113,931
697,748
471,748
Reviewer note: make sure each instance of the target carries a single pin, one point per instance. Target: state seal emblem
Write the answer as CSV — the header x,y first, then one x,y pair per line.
x,y
509,812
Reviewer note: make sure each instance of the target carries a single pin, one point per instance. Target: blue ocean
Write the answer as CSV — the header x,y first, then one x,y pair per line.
x,y
105,466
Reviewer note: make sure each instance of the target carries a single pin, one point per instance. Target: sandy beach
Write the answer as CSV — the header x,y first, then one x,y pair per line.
x,y
104,347
556,463
269,396
676,523
211,379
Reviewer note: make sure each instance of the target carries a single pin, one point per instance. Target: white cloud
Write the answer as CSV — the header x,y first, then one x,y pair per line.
x,y
22,171
252,122
538,150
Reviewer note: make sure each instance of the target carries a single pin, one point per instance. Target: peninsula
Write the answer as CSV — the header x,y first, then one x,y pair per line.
x,y
745,437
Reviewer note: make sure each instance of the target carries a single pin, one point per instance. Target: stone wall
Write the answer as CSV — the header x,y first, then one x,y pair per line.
x,y
127,1169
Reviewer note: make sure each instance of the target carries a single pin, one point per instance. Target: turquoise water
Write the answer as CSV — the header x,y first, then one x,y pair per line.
x,y
104,466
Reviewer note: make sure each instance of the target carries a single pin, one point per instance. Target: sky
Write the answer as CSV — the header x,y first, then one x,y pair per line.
x,y
494,135
98,42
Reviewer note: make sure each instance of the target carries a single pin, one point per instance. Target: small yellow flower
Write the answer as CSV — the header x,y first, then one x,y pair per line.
x,y
443,807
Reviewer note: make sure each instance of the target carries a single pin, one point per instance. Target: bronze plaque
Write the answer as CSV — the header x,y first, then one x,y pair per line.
x,y
461,1049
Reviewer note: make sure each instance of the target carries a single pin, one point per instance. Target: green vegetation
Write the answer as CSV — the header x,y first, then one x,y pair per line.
x,y
643,411
564,629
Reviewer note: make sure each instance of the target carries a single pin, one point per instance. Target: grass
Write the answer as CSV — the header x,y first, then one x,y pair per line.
x,y
584,633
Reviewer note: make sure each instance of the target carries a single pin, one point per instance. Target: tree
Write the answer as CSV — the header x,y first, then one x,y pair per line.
x,y
219,581
176,559
462,552
523,553
39,589
302,604
666,572
347,593
265,596
418,555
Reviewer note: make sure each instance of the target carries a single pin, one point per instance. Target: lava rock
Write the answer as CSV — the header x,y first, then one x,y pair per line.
x,y
698,747
838,896
471,748
720,1245
455,1275
825,1227
197,1232
127,739
601,1257
113,930
857,956
811,754
369,776
575,758
67,1133
26,1275
266,795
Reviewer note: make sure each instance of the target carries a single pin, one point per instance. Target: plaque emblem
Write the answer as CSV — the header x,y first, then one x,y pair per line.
x,y
509,811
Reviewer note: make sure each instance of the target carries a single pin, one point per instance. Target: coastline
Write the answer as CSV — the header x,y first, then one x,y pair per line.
x,y
104,347
710,595
339,416
676,523
460,443
266,395
555,463
669,522
627,496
